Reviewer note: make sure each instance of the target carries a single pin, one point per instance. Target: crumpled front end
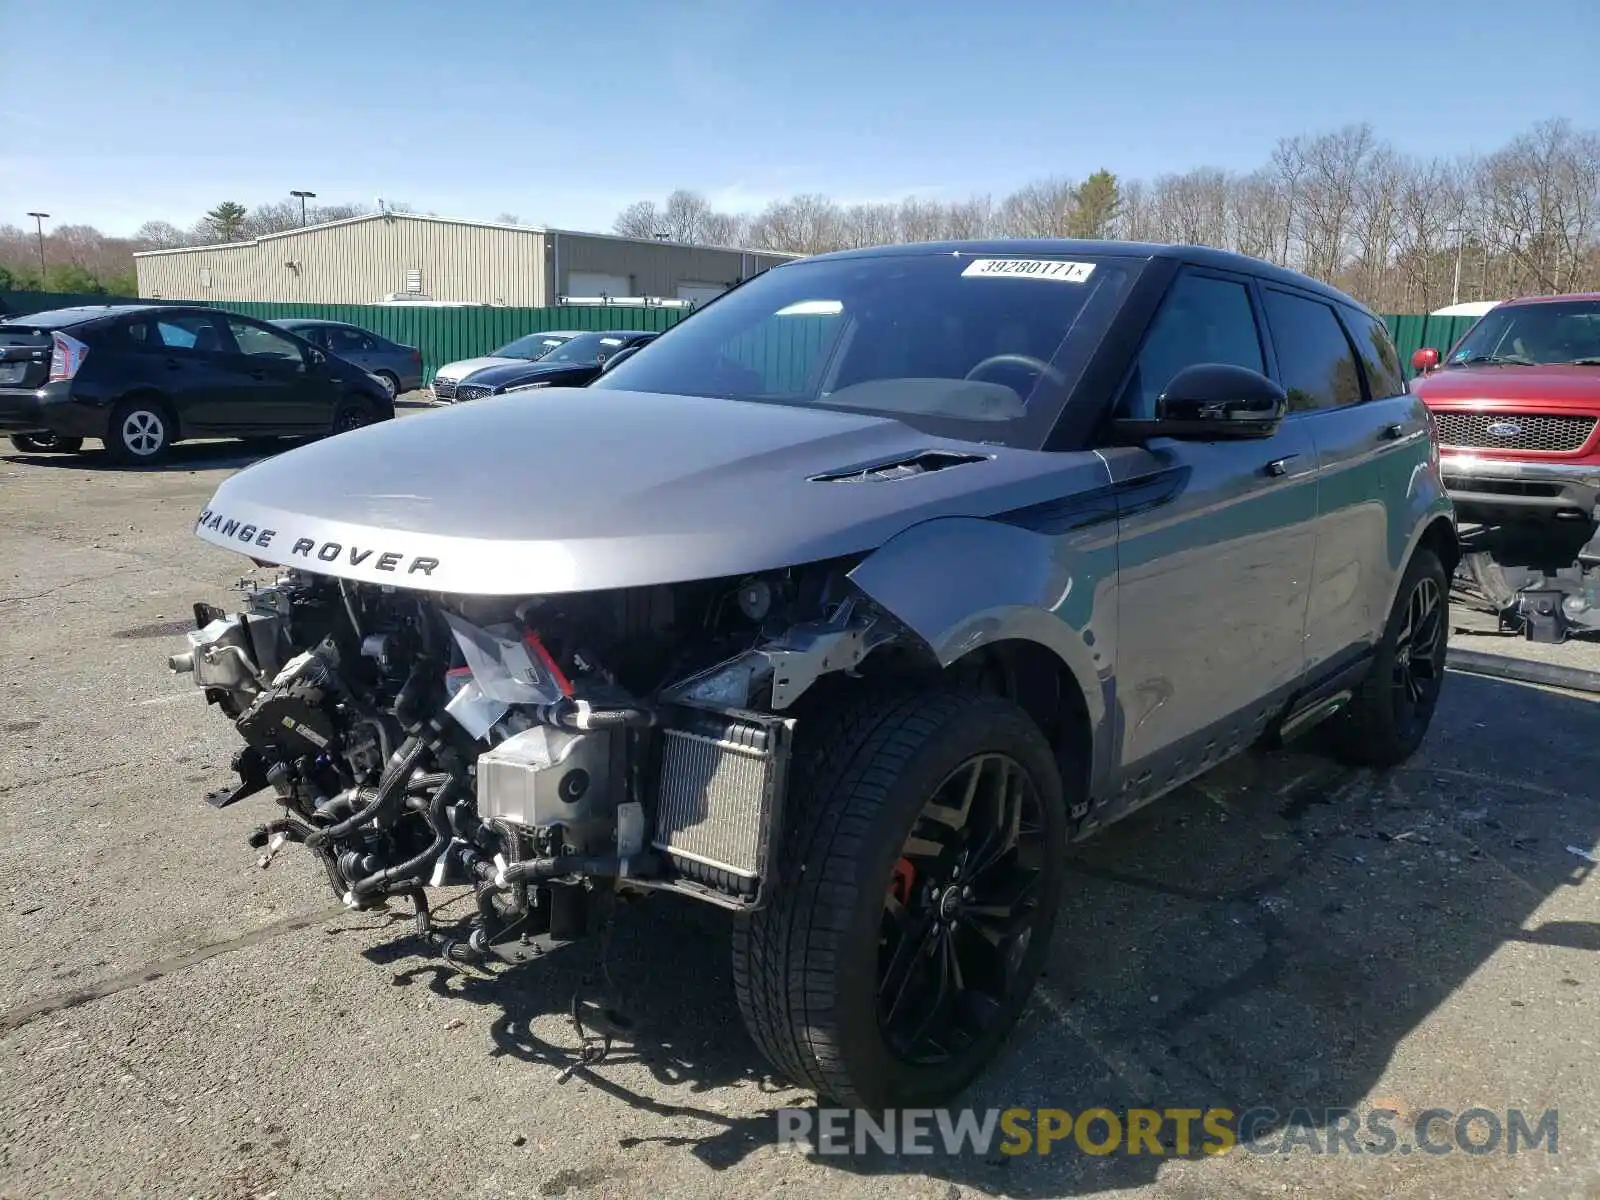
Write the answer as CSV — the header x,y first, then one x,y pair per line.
x,y
545,750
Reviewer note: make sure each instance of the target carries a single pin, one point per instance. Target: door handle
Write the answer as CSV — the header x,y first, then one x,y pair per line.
x,y
258,374
1280,466
1392,433
174,365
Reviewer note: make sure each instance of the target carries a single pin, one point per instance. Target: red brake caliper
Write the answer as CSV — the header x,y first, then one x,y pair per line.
x,y
901,880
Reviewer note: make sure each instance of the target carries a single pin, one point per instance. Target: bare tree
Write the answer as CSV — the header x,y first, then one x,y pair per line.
x,y
1259,214
158,235
639,220
806,224
1040,209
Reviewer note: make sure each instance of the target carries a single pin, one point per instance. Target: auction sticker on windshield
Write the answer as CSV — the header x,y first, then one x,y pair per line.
x,y
1031,268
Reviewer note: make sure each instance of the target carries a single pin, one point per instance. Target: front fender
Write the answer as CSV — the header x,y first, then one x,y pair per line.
x,y
960,583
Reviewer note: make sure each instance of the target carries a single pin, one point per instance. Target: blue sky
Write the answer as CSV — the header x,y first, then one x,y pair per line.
x,y
563,113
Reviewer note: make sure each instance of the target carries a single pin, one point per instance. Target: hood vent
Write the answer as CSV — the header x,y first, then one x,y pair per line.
x,y
903,467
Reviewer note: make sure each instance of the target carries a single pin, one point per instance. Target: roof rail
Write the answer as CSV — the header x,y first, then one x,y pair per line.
x,y
622,302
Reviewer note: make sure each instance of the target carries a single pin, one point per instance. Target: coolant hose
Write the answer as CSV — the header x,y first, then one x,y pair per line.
x,y
390,791
1522,670
533,869
578,714
413,868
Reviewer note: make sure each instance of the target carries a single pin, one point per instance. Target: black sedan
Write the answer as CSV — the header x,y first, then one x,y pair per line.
x,y
575,363
140,377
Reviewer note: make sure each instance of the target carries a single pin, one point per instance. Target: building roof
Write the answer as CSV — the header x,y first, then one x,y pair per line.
x,y
396,216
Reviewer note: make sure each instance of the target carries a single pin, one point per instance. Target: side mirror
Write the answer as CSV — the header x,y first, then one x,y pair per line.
x,y
1211,402
1424,360
620,356
317,358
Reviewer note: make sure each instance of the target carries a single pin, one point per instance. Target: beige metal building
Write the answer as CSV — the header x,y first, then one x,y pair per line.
x,y
403,256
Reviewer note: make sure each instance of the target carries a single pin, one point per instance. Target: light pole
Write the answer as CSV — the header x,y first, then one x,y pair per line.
x,y
38,224
303,197
1461,237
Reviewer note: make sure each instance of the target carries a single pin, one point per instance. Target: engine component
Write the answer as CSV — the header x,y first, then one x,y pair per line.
x,y
717,796
234,653
755,599
289,715
545,776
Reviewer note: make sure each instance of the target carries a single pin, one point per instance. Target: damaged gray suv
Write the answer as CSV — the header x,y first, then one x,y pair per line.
x,y
846,605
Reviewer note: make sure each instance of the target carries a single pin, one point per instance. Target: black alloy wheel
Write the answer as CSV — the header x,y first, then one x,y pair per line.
x,y
962,906
1390,712
918,877
1419,655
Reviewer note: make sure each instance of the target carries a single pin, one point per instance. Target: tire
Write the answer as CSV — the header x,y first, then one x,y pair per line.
x,y
351,413
140,432
46,443
390,381
1390,712
807,966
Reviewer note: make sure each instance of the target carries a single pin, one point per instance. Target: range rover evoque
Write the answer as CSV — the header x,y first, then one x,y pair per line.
x,y
846,604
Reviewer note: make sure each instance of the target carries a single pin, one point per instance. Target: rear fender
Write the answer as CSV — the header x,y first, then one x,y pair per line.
x,y
960,583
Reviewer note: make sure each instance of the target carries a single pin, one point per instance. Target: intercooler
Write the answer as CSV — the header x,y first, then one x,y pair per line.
x,y
720,784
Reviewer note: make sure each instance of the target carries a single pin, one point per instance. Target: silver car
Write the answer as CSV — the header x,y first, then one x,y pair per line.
x,y
518,352
844,605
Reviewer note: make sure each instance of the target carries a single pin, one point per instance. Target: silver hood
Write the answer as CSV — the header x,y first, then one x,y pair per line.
x,y
463,367
586,490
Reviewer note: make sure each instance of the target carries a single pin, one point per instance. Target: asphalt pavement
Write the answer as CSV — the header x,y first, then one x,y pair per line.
x,y
176,1021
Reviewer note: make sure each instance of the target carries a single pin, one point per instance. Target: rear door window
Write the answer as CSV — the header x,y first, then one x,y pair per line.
x,y
1380,361
195,332
1315,359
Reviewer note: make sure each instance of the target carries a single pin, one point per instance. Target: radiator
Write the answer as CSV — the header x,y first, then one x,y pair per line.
x,y
720,784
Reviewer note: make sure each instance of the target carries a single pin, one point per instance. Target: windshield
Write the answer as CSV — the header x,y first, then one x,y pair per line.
x,y
1546,333
534,345
983,347
587,348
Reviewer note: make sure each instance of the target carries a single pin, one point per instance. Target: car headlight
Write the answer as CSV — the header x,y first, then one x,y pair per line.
x,y
523,387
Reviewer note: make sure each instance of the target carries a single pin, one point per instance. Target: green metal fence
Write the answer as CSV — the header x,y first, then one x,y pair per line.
x,y
447,334
1412,333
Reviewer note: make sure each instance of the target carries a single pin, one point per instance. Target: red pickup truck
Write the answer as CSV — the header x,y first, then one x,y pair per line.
x,y
1517,406
1516,403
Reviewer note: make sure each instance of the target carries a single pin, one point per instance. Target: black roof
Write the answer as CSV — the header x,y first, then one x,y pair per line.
x,y
62,318
1200,256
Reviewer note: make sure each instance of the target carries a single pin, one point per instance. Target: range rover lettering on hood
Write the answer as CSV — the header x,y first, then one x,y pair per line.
x,y
310,549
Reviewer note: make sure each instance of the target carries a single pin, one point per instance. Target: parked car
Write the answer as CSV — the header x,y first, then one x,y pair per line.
x,y
140,377
574,363
1517,404
398,367
863,592
526,349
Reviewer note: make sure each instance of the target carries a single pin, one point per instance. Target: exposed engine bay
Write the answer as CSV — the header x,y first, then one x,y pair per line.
x,y
542,750
1542,580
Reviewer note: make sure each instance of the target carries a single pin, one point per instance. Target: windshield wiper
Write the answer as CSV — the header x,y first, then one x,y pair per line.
x,y
1492,360
1592,360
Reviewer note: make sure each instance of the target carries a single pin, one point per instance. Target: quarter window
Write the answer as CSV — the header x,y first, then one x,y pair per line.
x,y
1202,320
1315,359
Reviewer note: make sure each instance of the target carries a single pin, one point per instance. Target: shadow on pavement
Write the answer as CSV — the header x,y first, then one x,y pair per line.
x,y
185,456
1265,937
